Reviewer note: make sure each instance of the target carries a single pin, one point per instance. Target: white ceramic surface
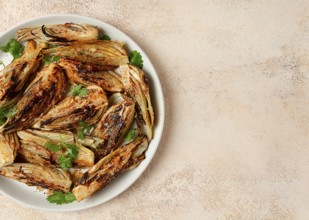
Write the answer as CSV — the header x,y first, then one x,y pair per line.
x,y
28,195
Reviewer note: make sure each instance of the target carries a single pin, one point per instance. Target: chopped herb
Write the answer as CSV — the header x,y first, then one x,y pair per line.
x,y
105,37
60,198
78,90
85,128
13,47
131,135
72,151
1,63
52,147
80,134
136,59
65,162
51,59
6,114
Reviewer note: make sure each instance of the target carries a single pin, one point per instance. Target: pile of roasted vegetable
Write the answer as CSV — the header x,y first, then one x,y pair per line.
x,y
75,110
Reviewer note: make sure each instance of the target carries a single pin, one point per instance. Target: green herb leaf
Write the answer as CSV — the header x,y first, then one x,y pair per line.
x,y
84,128
52,147
78,90
131,135
136,59
13,47
80,134
72,151
1,63
51,59
6,114
61,198
65,162
11,112
105,37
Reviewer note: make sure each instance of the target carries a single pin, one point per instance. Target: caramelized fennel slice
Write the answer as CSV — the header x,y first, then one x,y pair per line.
x,y
111,53
15,77
67,114
125,157
43,92
136,87
59,33
9,145
90,74
114,124
47,177
34,143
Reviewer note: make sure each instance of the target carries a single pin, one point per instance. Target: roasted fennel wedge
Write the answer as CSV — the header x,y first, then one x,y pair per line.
x,y
15,77
136,87
43,92
9,145
102,52
34,149
59,33
125,157
73,109
112,127
47,177
90,74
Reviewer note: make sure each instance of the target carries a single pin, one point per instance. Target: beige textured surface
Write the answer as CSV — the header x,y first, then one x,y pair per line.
x,y
235,74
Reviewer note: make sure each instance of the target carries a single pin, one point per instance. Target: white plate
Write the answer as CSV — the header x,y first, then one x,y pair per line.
x,y
28,195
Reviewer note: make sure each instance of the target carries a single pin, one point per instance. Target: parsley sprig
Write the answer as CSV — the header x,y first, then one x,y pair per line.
x,y
60,198
84,128
13,47
70,154
79,90
136,59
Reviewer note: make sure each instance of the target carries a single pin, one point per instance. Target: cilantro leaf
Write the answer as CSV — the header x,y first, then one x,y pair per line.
x,y
136,59
51,59
6,114
65,162
13,47
52,147
131,135
61,198
72,151
105,37
80,134
1,63
78,90
84,128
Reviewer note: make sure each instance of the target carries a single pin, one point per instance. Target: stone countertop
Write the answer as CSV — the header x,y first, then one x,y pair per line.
x,y
235,75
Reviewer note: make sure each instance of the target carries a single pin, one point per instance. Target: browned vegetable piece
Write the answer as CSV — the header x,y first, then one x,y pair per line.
x,y
43,92
136,87
59,33
47,177
102,52
74,109
33,148
91,74
15,77
114,124
9,145
109,167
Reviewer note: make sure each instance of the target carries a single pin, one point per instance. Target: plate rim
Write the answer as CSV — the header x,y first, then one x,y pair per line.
x,y
160,112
